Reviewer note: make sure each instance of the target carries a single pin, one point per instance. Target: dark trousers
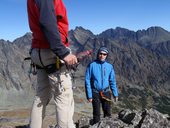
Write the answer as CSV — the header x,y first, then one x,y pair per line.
x,y
106,106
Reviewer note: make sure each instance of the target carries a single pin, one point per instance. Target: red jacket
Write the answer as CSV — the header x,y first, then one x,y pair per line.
x,y
62,20
49,24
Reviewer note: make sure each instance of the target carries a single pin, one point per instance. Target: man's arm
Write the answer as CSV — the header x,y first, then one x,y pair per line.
x,y
88,83
112,82
48,24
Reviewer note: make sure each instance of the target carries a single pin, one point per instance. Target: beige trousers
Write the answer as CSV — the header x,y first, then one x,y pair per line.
x,y
57,85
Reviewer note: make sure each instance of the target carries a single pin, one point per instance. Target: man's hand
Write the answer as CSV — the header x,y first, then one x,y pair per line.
x,y
70,59
115,99
90,100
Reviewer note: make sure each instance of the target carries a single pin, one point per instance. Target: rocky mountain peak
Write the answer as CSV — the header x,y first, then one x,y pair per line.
x,y
81,30
152,35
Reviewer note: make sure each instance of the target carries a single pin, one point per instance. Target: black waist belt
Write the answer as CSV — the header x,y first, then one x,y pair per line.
x,y
51,68
39,67
104,90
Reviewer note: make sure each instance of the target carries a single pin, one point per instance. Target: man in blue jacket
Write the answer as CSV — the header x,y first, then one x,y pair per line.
x,y
99,80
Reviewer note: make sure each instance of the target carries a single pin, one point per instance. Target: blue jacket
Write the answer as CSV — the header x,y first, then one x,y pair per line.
x,y
100,75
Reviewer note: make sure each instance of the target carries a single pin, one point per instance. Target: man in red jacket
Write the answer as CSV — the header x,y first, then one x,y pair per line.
x,y
49,25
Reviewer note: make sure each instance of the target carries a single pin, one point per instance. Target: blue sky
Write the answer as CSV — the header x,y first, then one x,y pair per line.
x,y
95,15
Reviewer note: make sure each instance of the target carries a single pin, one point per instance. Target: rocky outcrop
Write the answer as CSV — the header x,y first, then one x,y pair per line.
x,y
129,119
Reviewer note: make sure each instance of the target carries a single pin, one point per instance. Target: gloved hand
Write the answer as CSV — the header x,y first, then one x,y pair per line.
x,y
115,99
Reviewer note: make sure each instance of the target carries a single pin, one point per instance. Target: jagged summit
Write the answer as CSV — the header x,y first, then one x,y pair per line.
x,y
144,37
153,35
115,33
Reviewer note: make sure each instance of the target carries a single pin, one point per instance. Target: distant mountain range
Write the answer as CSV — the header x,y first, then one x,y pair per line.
x,y
140,57
141,60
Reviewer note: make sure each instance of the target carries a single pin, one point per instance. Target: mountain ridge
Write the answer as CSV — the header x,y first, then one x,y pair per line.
x,y
141,60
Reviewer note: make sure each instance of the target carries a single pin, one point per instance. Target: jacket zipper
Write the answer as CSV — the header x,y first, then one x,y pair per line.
x,y
102,75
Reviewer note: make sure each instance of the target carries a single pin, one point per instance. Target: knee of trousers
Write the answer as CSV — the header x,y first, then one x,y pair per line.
x,y
41,101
